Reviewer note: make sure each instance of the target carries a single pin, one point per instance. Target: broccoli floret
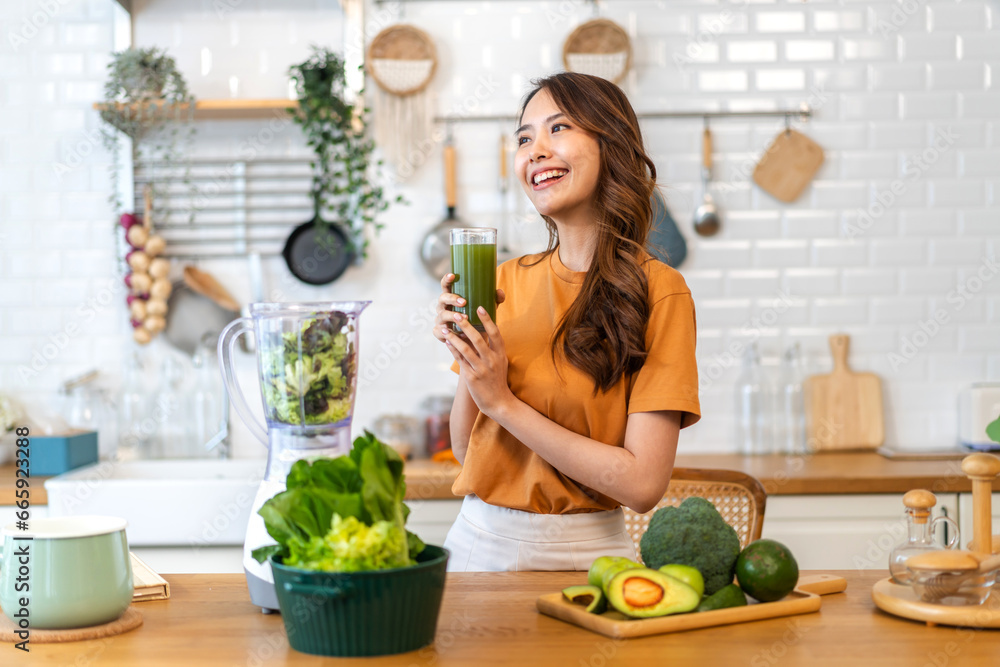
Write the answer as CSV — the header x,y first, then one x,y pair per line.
x,y
693,534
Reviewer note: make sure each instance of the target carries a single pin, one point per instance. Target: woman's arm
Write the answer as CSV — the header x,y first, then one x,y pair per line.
x,y
463,415
636,475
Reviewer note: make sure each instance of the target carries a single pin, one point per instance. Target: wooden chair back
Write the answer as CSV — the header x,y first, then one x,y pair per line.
x,y
740,499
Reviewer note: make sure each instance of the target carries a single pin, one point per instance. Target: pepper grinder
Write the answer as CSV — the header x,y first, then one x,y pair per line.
x,y
982,469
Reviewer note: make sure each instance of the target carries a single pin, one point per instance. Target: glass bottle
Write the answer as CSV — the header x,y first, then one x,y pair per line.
x,y
920,533
791,418
437,410
135,425
208,403
172,412
751,417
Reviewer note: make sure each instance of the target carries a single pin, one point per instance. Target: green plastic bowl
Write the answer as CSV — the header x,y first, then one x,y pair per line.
x,y
380,612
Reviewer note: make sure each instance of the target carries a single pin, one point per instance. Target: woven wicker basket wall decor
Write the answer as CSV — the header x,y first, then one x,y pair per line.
x,y
402,60
600,47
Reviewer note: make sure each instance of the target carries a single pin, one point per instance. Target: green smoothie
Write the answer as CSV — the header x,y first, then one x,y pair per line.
x,y
475,269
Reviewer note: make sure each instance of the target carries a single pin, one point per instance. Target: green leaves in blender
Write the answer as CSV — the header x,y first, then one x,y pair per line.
x,y
308,374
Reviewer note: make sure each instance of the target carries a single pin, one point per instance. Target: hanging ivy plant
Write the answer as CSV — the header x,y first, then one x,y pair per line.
x,y
346,177
145,97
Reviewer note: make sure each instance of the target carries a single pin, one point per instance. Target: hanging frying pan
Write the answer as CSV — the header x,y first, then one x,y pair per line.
x,y
435,250
665,240
318,252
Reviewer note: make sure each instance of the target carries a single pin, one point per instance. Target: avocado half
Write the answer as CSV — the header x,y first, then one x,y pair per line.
x,y
645,593
589,596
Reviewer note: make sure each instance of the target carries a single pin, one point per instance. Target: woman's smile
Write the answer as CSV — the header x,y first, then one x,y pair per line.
x,y
545,178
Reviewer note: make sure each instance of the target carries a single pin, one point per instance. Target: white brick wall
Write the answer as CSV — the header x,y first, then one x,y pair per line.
x,y
884,78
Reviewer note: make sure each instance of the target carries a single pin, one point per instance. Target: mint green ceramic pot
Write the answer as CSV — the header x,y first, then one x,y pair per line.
x,y
65,572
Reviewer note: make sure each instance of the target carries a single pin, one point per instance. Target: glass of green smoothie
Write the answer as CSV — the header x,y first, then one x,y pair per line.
x,y
474,263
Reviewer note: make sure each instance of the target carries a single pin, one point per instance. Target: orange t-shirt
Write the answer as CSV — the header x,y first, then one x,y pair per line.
x,y
499,468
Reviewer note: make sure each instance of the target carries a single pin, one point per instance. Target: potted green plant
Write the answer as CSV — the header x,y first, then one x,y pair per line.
x,y
993,430
346,175
145,96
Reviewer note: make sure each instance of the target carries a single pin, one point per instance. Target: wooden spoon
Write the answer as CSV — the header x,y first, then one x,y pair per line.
x,y
205,284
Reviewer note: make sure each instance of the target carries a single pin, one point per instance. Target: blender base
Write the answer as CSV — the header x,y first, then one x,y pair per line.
x,y
262,593
260,581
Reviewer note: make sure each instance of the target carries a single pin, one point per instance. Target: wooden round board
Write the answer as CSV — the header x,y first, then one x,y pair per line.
x,y
902,601
130,620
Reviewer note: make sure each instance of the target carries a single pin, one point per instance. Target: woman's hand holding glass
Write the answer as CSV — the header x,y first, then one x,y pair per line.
x,y
446,317
482,361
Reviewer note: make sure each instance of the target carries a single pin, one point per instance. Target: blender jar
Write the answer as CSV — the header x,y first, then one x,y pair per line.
x,y
307,359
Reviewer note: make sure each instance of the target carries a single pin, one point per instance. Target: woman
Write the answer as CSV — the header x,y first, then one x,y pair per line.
x,y
570,405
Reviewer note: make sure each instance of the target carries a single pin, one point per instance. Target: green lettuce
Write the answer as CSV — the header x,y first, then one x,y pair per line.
x,y
344,514
352,546
308,374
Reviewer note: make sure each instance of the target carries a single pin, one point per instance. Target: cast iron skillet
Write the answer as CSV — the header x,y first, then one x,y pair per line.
x,y
318,252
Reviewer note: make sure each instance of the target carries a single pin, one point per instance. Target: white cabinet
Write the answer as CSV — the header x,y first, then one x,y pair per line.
x,y
431,519
193,560
844,532
826,532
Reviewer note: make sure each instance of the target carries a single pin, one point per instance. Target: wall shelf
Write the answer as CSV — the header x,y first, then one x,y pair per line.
x,y
224,109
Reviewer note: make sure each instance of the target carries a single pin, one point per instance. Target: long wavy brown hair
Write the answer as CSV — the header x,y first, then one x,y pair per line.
x,y
603,332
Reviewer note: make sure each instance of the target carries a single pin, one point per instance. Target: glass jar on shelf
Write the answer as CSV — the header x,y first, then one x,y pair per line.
x,y
437,423
401,432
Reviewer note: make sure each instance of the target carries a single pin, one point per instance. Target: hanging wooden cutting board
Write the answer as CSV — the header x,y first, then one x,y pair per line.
x,y
845,407
788,165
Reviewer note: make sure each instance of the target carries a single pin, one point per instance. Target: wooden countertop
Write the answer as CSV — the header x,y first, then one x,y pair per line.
x,y
490,619
854,472
850,472
8,487
846,473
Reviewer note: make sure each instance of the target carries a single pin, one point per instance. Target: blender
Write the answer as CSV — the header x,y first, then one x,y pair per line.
x,y
307,360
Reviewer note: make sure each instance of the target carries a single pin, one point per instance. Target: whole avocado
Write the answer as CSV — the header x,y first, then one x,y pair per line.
x,y
695,534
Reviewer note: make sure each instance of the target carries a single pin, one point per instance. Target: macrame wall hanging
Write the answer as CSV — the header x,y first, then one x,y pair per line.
x,y
599,47
402,59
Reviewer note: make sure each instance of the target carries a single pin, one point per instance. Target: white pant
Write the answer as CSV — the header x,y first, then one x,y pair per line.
x,y
487,538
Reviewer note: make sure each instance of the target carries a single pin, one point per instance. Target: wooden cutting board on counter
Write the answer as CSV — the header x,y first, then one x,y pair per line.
x,y
803,600
845,407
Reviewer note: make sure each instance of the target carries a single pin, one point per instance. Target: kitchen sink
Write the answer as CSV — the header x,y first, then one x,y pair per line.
x,y
174,502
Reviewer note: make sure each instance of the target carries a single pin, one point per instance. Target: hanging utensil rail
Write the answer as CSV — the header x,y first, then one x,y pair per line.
x,y
802,113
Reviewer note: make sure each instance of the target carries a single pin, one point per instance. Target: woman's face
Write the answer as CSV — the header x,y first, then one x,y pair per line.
x,y
557,162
